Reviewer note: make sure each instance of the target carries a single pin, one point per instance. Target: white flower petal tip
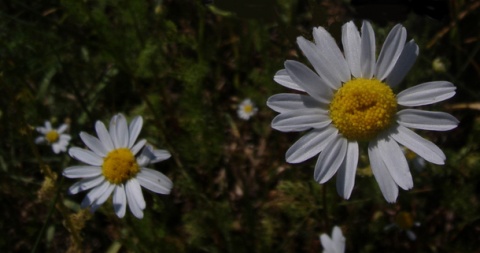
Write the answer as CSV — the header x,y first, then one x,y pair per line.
x,y
426,93
334,244
115,165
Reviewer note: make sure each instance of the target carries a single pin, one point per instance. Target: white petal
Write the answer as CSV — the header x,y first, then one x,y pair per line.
x,y
351,46
422,147
300,120
330,159
338,239
82,171
112,129
319,62
94,144
94,194
40,140
395,161
404,64
100,200
327,243
104,136
119,201
346,172
56,148
160,155
329,48
367,53
48,126
85,156
65,137
135,198
134,128
289,102
62,128
121,131
154,181
385,181
426,120
310,144
308,80
284,79
138,146
426,93
85,184
391,50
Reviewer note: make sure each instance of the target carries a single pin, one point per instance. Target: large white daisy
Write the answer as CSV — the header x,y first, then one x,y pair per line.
x,y
349,99
54,137
116,163
335,244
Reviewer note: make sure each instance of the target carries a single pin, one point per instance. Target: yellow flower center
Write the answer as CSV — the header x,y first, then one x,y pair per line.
x,y
248,108
404,220
362,108
52,136
119,166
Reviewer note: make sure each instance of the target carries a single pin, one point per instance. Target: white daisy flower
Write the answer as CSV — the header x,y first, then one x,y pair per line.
x,y
350,100
116,165
54,137
336,244
246,109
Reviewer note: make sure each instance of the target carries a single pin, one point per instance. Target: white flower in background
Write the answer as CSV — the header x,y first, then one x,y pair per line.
x,y
349,99
404,222
246,109
336,244
54,137
116,163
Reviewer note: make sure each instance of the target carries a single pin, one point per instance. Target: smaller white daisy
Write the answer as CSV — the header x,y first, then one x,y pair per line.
x,y
116,165
54,137
246,109
336,244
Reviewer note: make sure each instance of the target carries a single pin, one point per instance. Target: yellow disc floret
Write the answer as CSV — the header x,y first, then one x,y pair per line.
x,y
362,108
52,136
248,108
119,166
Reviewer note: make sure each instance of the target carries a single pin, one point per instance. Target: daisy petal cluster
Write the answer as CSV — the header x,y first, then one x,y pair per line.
x,y
246,109
116,163
335,244
349,99
53,137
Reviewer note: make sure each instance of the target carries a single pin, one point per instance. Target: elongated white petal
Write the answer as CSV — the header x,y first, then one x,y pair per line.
x,y
102,198
351,47
310,144
329,48
308,80
289,102
94,144
330,159
121,131
404,64
327,243
160,155
319,62
104,136
136,203
48,126
426,93
367,53
137,147
112,129
395,161
85,156
94,194
338,239
85,184
40,140
282,77
300,120
119,201
422,147
62,128
426,120
154,181
391,50
134,128
346,172
81,171
387,185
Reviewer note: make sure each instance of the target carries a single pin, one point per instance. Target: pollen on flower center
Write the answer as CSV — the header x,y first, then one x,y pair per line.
x,y
362,108
248,108
119,166
52,136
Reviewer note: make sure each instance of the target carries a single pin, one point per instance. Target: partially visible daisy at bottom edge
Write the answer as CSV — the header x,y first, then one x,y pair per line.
x,y
348,100
404,222
54,137
246,109
116,163
334,244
